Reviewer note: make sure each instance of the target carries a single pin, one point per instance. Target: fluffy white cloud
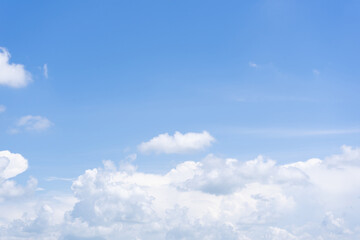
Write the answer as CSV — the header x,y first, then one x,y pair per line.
x,y
11,164
33,123
211,199
11,74
349,156
9,189
178,143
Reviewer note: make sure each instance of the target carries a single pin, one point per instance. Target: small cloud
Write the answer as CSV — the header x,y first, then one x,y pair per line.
x,y
252,64
316,72
11,74
2,108
31,123
45,68
178,143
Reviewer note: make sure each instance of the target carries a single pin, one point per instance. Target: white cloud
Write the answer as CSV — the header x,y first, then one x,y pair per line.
x,y
11,164
214,198
348,156
33,123
2,108
11,74
178,143
9,189
45,68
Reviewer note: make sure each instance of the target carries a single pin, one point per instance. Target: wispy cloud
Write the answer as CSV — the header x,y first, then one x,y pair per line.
x,y
31,123
50,179
2,108
316,72
286,132
253,65
45,69
260,99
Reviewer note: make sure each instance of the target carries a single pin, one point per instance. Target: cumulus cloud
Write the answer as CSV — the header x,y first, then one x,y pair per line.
x,y
11,74
214,198
11,164
178,143
32,123
349,156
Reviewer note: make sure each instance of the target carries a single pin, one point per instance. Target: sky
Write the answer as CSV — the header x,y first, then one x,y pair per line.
x,y
108,108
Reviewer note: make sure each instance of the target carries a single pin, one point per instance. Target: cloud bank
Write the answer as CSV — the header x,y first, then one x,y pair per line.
x,y
11,74
178,143
213,198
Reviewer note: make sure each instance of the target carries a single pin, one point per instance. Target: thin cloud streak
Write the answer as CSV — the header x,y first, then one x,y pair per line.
x,y
50,179
262,99
46,74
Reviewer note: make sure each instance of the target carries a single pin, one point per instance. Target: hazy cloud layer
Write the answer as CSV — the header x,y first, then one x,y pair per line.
x,y
178,143
11,74
211,199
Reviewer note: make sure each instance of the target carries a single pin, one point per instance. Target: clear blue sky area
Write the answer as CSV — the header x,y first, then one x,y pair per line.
x,y
278,78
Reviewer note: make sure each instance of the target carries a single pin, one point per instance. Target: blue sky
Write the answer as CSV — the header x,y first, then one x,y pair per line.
x,y
277,78
122,72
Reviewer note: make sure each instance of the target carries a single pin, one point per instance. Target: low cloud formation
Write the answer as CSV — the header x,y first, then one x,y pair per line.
x,y
214,198
11,74
11,165
178,143
32,123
